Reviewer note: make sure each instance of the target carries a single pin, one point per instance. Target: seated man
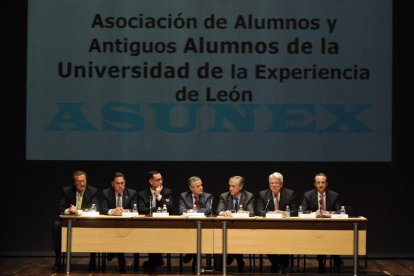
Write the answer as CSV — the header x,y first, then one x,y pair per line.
x,y
149,200
322,201
198,199
274,200
116,200
75,197
230,202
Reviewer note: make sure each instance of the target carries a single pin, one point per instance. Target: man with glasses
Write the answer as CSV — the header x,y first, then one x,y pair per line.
x,y
149,200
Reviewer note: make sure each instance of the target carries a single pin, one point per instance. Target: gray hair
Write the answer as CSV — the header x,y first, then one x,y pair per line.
x,y
240,179
277,175
191,181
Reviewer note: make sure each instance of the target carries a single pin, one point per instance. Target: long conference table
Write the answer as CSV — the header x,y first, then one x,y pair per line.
x,y
214,235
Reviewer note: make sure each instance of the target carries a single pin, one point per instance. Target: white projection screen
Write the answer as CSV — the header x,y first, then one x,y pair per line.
x,y
212,80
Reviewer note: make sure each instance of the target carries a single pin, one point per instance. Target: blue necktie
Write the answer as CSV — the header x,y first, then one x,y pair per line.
x,y
236,204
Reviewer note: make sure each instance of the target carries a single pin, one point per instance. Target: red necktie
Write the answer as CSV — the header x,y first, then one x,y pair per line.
x,y
196,202
322,203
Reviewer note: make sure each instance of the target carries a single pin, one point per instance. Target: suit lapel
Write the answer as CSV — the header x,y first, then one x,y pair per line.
x,y
315,199
85,198
230,202
269,196
125,198
189,200
242,199
329,204
282,199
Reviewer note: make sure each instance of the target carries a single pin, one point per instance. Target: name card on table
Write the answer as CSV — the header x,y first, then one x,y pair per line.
x,y
160,215
240,215
194,215
339,216
310,215
90,214
270,215
130,214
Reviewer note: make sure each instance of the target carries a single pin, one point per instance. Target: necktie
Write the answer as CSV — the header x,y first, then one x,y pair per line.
x,y
196,202
154,200
276,202
119,200
236,204
79,201
322,203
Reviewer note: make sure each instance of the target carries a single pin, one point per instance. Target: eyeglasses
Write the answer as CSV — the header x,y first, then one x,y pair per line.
x,y
158,179
120,184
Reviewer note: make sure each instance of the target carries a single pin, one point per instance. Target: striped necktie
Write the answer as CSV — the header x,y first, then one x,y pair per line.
x,y
276,202
323,208
79,201
119,200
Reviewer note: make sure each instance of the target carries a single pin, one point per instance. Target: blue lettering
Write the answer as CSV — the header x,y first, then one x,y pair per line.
x,y
163,117
125,117
242,122
69,118
121,117
346,120
292,118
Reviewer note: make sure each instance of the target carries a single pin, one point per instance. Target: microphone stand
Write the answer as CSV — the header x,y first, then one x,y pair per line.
x,y
211,206
150,205
267,204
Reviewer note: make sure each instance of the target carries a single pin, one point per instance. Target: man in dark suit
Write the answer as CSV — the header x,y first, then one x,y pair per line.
x,y
322,201
275,199
116,200
74,198
231,201
196,199
149,200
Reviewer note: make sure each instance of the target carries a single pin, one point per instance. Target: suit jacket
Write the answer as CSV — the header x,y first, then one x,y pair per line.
x,y
145,197
129,198
265,202
204,202
226,202
310,200
68,197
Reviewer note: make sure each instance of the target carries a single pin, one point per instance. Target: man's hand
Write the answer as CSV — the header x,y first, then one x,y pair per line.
x,y
158,190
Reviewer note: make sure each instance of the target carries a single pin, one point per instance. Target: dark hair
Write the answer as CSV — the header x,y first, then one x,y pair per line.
x,y
117,174
321,174
77,173
151,174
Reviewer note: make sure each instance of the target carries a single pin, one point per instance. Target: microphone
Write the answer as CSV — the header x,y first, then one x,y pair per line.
x,y
267,204
211,206
150,205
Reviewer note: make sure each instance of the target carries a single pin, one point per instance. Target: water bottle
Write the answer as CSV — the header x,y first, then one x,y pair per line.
x,y
342,211
93,208
164,208
300,211
159,210
240,209
134,208
287,211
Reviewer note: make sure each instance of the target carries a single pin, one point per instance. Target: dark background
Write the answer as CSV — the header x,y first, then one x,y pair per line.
x,y
30,190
